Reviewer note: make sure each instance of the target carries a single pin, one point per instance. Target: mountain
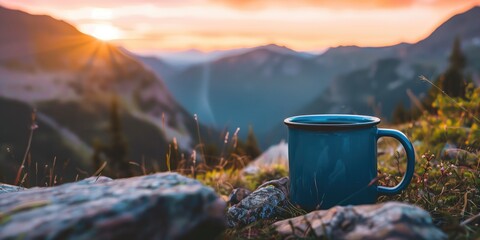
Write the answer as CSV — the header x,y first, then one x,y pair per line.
x,y
70,79
183,59
383,84
253,88
438,43
187,58
263,85
378,87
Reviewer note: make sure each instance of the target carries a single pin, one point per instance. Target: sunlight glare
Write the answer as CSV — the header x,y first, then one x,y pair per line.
x,y
101,14
101,31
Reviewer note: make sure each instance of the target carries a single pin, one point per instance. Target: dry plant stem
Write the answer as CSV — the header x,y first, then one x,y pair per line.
x,y
144,168
169,154
100,169
52,171
469,220
199,138
27,150
465,202
451,99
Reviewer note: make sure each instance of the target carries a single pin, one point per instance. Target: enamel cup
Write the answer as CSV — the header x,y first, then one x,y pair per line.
x,y
333,160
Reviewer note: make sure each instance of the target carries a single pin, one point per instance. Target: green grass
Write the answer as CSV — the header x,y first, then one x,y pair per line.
x,y
446,182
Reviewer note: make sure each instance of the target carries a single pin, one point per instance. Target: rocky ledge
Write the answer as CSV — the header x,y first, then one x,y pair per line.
x,y
158,206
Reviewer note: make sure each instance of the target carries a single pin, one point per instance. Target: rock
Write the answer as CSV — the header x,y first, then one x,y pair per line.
x,y
269,201
273,156
237,195
92,180
158,206
452,153
282,184
5,188
391,220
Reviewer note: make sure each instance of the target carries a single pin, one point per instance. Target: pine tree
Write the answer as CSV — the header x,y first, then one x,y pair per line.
x,y
118,149
115,153
400,114
452,82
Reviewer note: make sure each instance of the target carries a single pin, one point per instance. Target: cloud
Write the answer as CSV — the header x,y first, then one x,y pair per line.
x,y
330,4
75,4
342,4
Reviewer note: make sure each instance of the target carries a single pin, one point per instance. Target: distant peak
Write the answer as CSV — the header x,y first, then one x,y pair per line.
x,y
273,45
275,48
476,8
472,11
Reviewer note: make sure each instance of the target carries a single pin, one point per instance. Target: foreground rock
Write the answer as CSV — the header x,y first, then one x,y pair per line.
x,y
237,195
159,206
269,201
392,220
5,188
276,155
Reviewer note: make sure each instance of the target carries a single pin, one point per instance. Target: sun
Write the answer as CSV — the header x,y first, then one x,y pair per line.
x,y
101,31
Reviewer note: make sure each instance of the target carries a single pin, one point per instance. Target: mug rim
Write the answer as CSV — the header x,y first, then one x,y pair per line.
x,y
331,122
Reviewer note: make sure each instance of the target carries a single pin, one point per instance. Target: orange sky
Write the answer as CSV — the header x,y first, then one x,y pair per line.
x,y
149,26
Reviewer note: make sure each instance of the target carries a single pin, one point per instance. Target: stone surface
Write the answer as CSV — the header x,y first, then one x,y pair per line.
x,y
5,188
158,206
281,183
391,220
269,201
276,155
237,195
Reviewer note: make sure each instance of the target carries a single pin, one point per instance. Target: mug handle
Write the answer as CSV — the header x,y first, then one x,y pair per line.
x,y
407,145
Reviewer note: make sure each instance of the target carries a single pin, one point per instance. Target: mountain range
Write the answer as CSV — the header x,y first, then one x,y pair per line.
x,y
70,80
261,86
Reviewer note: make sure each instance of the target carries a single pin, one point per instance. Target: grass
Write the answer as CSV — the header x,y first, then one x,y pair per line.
x,y
446,182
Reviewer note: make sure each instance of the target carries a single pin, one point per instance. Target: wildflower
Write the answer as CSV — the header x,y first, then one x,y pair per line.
x,y
226,138
175,145
194,157
163,120
235,137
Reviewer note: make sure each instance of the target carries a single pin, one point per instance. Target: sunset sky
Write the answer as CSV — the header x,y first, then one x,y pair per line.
x,y
148,26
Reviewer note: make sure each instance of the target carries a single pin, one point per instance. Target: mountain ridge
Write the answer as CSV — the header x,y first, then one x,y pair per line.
x,y
297,82
70,78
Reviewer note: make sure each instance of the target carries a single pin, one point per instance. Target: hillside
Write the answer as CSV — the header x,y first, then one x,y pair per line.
x,y
380,86
70,79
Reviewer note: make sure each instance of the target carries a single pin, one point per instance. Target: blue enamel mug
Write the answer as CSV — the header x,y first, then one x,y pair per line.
x,y
333,160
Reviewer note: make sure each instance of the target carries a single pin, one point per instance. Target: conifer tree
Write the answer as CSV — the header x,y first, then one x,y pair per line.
x,y
118,149
115,153
400,114
452,82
